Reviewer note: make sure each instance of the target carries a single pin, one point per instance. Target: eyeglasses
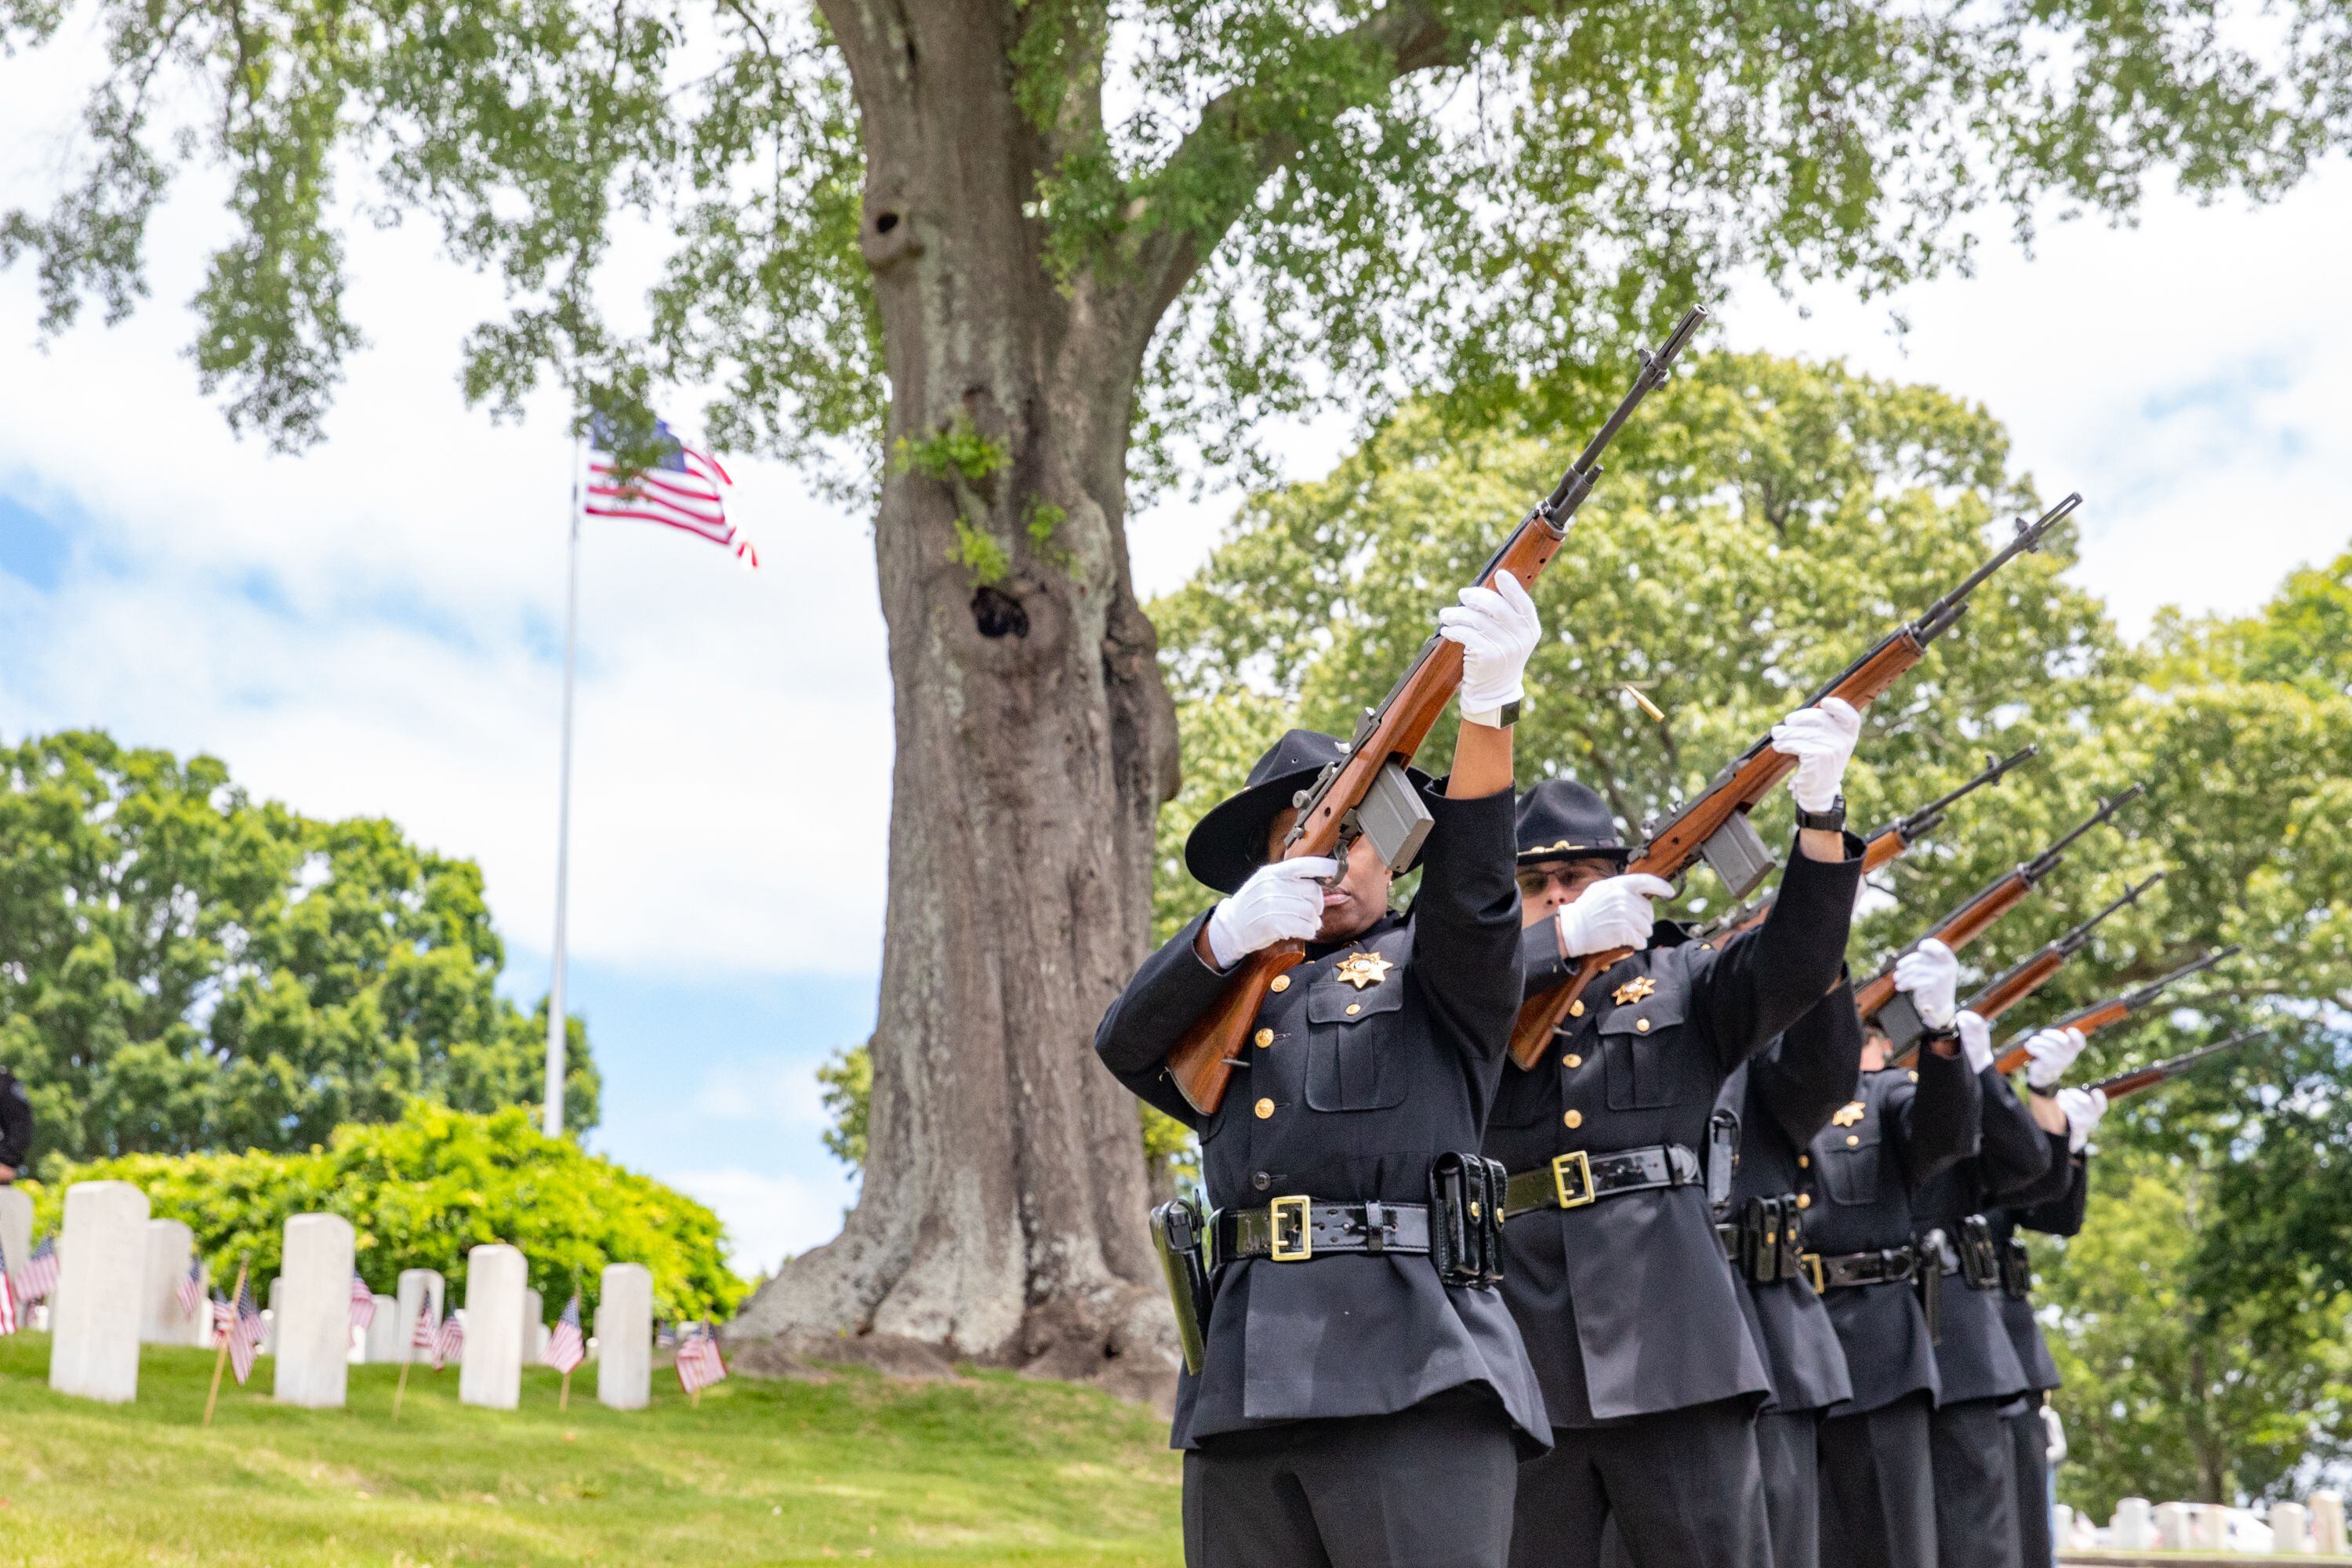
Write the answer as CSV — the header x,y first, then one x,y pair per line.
x,y
1535,880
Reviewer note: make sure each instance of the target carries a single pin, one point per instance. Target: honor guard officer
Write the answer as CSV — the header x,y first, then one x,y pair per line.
x,y
1903,1126
16,1127
2054,1207
1354,1404
1984,1384
1611,1262
1781,1100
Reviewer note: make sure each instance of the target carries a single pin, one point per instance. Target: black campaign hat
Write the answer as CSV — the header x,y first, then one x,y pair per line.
x,y
1560,819
1228,842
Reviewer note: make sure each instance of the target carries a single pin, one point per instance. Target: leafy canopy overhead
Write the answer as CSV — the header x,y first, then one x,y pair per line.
x,y
190,969
1334,198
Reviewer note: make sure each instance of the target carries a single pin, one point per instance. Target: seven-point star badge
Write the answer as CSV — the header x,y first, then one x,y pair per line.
x,y
1634,990
1849,1114
1362,969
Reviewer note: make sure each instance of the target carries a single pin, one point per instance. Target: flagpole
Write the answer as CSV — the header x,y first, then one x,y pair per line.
x,y
220,1360
551,1119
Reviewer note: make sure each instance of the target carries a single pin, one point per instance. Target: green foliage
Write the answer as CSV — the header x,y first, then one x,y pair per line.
x,y
979,1470
958,451
1763,522
1288,189
421,1192
978,551
2164,1395
845,1081
190,969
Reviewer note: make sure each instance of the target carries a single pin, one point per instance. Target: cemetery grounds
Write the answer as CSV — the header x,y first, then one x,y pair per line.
x,y
849,1466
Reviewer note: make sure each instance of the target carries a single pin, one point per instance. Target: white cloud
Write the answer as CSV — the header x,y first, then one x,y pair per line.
x,y
781,1093
769,1217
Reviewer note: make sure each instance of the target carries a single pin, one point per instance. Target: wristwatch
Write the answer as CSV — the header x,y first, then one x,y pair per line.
x,y
1829,821
1501,718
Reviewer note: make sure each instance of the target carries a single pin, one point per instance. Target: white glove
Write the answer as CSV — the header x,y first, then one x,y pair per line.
x,y
1497,630
1976,1039
1282,901
2048,1054
1612,913
2084,1106
1822,740
1930,976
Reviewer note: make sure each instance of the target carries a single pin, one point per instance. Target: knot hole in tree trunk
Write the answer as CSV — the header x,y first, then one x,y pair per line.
x,y
998,614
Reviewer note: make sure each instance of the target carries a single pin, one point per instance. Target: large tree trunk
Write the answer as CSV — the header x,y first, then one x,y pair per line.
x,y
1002,1212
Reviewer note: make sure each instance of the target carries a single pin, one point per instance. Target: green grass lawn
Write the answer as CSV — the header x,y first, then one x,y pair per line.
x,y
987,1468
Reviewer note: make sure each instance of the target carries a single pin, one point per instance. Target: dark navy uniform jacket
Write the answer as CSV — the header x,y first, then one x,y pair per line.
x,y
15,1124
1782,1098
1975,1358
2054,1207
1902,1127
1349,1094
1626,1304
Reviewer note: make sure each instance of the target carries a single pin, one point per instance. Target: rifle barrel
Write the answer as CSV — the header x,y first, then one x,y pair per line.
x,y
2148,1076
1940,616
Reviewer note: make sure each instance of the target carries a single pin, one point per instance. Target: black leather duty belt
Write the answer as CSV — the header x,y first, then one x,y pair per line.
x,y
1578,1178
1293,1230
1892,1266
1766,1241
1975,1257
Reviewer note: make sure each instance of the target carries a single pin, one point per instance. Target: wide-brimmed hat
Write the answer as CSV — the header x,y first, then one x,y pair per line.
x,y
1560,819
1228,842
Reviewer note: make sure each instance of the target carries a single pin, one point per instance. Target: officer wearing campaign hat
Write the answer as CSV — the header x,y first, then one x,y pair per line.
x,y
1360,1397
1612,1264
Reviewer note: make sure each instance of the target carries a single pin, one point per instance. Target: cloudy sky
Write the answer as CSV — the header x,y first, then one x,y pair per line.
x,y
375,626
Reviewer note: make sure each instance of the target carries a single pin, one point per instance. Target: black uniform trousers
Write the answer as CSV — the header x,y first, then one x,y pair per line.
x,y
1788,1446
1974,1449
1878,1488
1683,1488
1428,1487
2032,1441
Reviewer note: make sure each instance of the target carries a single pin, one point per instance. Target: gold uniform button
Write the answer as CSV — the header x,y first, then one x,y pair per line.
x,y
1915,1074
1571,1059
1354,1008
1804,1162
1264,1039
1280,983
1575,1009
1574,1118
1641,1025
1804,1200
1853,1140
1265,1109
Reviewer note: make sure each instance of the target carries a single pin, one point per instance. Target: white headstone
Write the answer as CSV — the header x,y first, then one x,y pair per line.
x,y
102,1256
2290,1528
314,1313
171,1247
383,1341
15,1230
625,1337
420,1289
534,1316
2209,1526
2327,1523
492,1374
2172,1526
2061,1525
2135,1528
269,1317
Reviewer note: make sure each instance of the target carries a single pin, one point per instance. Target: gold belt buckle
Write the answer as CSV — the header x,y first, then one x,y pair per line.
x,y
1575,1160
1813,1263
1296,1207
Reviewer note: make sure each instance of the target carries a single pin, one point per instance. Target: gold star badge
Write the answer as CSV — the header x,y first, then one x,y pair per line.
x,y
1362,969
1849,1114
1634,990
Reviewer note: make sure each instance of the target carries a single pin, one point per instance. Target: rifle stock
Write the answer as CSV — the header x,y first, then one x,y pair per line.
x,y
1203,1062
2115,1009
1955,931
2148,1076
1673,845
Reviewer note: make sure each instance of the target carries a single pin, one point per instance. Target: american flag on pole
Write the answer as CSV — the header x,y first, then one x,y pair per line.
x,y
565,1348
451,1343
41,1271
427,1335
683,489
240,1325
698,1365
363,1304
7,1298
191,1292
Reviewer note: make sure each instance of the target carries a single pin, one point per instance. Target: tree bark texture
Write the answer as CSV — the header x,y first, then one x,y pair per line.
x,y
1001,1213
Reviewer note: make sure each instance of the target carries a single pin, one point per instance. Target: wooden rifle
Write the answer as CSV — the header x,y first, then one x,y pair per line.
x,y
1715,827
2115,1009
1877,996
1334,809
1887,846
2155,1073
